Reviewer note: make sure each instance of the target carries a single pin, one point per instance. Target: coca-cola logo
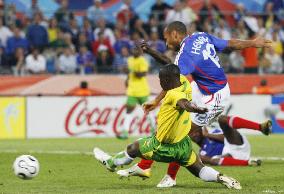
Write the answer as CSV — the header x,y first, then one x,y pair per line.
x,y
101,120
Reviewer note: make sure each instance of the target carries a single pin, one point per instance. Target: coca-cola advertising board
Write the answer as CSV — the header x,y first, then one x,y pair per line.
x,y
58,117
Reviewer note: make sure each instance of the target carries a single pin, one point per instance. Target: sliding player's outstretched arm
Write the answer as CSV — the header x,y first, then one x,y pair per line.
x,y
259,42
161,58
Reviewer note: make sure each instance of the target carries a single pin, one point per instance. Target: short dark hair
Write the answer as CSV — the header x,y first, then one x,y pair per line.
x,y
170,70
177,26
84,84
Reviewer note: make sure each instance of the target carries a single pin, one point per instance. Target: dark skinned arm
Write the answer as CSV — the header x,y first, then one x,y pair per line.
x,y
161,58
259,42
216,137
190,107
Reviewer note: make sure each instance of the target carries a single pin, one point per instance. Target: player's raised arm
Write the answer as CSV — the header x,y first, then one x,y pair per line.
x,y
190,107
259,42
161,58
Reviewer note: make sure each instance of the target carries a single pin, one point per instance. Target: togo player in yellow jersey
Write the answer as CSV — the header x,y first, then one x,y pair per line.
x,y
171,142
137,88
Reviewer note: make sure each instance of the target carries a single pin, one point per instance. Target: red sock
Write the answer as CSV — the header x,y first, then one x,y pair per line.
x,y
237,123
229,161
173,169
145,164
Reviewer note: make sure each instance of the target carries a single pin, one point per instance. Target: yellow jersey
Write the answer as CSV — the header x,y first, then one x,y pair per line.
x,y
137,87
173,123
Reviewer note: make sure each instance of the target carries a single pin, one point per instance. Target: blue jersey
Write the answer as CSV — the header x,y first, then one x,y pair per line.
x,y
211,147
198,57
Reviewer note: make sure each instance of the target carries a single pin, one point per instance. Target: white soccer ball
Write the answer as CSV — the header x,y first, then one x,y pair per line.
x,y
26,167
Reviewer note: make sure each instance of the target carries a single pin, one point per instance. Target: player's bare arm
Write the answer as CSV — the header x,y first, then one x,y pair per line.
x,y
190,107
217,137
259,42
140,74
149,106
161,58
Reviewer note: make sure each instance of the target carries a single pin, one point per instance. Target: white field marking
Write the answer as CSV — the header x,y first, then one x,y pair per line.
x,y
91,153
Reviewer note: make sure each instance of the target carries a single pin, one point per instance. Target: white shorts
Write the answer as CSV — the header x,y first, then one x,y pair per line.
x,y
215,103
240,152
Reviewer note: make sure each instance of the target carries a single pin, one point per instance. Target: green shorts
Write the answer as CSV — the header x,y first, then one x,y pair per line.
x,y
133,101
181,152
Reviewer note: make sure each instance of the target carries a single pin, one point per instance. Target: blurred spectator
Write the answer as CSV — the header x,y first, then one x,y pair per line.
x,y
236,62
74,30
52,30
277,45
107,32
16,41
277,4
83,90
156,43
269,15
207,27
222,31
276,62
240,12
33,9
5,33
119,26
104,61
67,63
96,12
264,62
181,12
11,15
263,88
85,61
63,15
102,43
139,27
35,62
82,41
87,30
68,41
242,32
17,62
261,29
120,42
4,65
59,43
120,60
126,13
210,12
158,11
153,26
37,34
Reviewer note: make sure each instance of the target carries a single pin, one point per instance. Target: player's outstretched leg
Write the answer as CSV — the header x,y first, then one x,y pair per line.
x,y
237,123
122,158
229,161
208,174
142,169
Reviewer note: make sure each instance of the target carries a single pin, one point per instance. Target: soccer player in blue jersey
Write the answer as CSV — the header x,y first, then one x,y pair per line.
x,y
197,56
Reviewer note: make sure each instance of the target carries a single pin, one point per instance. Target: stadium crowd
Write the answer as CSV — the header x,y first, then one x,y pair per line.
x,y
33,44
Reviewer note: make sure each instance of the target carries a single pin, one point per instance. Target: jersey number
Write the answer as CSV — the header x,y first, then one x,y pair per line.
x,y
210,53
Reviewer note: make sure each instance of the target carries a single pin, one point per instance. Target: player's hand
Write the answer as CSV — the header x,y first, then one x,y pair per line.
x,y
261,42
144,46
205,132
197,109
149,106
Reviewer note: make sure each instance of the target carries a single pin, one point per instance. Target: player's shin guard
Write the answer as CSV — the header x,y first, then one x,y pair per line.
x,y
122,158
208,174
145,164
229,161
173,170
237,123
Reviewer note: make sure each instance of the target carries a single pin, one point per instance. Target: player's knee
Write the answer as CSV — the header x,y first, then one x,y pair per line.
x,y
132,150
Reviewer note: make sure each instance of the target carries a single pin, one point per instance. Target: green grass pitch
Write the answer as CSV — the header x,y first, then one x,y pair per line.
x,y
67,167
